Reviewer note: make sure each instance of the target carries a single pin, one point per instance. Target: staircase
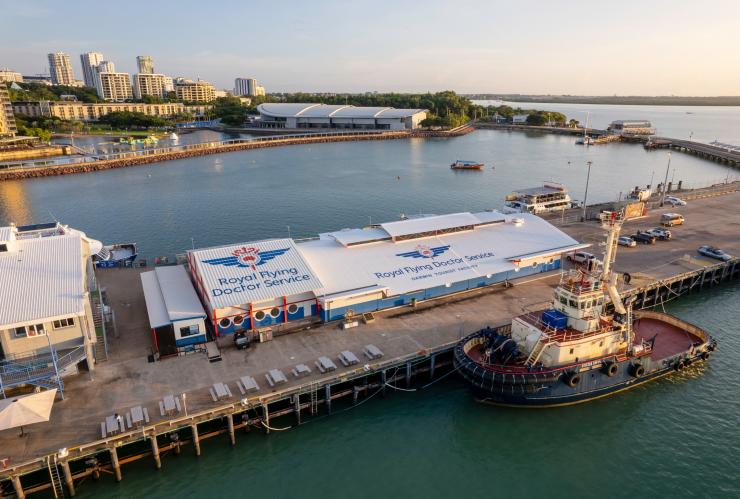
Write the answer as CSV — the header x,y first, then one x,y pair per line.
x,y
534,355
39,370
56,481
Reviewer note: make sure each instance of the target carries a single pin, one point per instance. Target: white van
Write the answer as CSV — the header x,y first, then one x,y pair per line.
x,y
671,219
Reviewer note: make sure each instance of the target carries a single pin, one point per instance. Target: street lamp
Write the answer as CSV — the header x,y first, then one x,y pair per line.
x,y
665,182
585,195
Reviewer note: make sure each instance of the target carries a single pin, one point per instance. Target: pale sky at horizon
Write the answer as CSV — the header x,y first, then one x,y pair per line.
x,y
627,47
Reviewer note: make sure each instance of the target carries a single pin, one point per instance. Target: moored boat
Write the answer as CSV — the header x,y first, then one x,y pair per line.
x,y
116,255
466,165
587,345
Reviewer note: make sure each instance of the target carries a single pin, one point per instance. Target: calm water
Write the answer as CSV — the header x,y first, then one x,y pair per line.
x,y
257,194
676,437
700,123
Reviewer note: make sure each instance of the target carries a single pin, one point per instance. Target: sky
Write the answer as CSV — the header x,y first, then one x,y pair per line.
x,y
659,47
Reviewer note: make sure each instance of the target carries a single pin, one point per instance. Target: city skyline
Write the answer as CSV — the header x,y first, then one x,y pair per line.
x,y
625,49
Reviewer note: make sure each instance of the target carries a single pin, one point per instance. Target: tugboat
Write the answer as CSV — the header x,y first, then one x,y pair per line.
x,y
466,165
589,344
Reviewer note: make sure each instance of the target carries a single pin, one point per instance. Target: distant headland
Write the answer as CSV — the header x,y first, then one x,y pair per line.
x,y
636,100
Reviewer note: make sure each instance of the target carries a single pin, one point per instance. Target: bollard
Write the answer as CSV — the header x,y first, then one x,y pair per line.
x,y
116,465
155,451
355,393
297,404
196,438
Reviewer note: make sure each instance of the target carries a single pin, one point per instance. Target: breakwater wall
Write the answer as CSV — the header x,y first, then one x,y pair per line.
x,y
148,156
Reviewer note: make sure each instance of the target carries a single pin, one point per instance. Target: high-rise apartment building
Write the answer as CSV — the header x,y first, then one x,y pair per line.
x,y
194,91
7,118
9,76
90,62
246,86
145,64
61,69
169,84
114,87
149,84
105,67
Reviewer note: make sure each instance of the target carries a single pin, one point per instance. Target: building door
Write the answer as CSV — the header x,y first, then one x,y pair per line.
x,y
165,341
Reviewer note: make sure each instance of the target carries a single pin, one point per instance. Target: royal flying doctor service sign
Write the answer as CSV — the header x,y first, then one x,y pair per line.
x,y
249,272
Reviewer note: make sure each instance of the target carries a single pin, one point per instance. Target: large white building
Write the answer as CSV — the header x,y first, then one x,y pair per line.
x,y
61,69
283,115
149,84
115,87
264,283
46,275
194,91
245,86
7,115
90,62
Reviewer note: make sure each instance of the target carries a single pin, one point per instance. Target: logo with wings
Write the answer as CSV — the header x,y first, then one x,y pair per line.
x,y
423,251
247,257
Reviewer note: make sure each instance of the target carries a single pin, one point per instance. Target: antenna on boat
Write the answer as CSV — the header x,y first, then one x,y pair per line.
x,y
612,222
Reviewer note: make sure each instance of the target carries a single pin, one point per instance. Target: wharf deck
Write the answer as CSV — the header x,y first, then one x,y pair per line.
x,y
127,379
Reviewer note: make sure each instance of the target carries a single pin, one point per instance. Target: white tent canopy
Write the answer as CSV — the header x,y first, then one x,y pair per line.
x,y
26,409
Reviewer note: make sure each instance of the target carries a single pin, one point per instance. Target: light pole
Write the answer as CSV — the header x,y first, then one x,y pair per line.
x,y
665,182
585,195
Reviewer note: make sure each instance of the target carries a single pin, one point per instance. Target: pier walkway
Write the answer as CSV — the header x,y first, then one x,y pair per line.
x,y
405,335
708,151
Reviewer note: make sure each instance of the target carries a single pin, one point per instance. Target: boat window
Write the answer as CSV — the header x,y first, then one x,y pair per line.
x,y
582,304
573,304
563,300
571,351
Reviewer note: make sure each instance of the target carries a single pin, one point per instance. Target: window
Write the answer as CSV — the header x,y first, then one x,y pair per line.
x,y
20,332
260,315
225,322
275,312
292,308
3,248
35,330
189,330
563,300
238,320
69,322
571,351
573,304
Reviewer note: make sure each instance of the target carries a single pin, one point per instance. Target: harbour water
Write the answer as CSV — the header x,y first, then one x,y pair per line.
x,y
303,190
675,437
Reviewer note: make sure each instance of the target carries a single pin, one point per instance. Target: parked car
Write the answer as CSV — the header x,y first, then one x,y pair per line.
x,y
626,241
674,201
671,219
580,256
712,252
643,237
660,233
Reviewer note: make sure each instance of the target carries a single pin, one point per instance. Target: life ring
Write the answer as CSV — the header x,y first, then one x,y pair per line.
x,y
611,369
679,365
573,379
704,355
637,370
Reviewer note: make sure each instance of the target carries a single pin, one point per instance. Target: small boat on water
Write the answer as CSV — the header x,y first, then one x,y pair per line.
x,y
116,255
174,136
466,165
587,345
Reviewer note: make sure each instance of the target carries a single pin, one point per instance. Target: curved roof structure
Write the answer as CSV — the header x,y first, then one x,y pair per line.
x,y
297,110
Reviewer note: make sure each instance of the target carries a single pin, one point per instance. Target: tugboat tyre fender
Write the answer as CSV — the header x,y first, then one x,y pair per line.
x,y
638,370
573,379
678,365
611,369
704,355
